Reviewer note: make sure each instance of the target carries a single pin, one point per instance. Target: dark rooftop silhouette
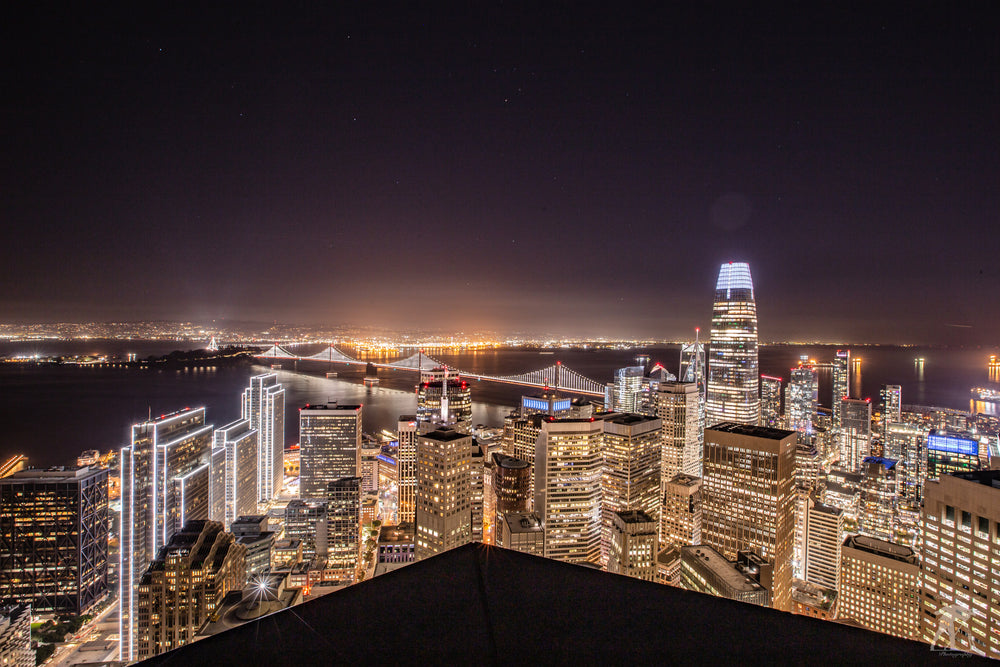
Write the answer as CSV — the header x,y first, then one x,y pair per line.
x,y
487,605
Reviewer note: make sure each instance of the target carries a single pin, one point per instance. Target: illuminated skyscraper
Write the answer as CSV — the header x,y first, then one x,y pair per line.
x,y
841,383
680,512
343,528
631,477
891,395
733,379
880,586
677,406
824,537
770,401
329,446
568,467
632,548
877,507
453,396
444,491
164,473
692,368
264,406
908,444
950,452
239,442
855,432
748,500
623,394
801,398
406,432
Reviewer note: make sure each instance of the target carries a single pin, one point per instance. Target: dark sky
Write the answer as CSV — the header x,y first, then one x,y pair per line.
x,y
557,169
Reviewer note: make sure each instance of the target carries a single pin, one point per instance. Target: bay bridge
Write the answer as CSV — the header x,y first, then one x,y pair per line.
x,y
555,376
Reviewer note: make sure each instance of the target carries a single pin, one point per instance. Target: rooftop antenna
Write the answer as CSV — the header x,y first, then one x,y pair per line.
x,y
444,397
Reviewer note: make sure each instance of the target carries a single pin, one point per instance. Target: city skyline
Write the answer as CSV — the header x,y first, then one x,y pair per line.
x,y
331,165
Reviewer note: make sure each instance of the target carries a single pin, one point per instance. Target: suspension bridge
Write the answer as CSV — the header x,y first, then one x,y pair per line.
x,y
555,376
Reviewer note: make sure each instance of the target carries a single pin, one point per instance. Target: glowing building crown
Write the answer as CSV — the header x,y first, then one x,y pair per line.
x,y
734,275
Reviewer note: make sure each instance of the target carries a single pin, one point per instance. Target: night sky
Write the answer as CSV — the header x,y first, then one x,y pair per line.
x,y
559,169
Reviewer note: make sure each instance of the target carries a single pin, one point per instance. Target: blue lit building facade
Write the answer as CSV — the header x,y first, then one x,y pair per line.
x,y
733,376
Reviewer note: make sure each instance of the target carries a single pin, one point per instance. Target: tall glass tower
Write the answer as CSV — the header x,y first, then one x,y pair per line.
x,y
733,379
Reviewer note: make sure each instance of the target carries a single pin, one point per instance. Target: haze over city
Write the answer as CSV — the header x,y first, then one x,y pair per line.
x,y
570,170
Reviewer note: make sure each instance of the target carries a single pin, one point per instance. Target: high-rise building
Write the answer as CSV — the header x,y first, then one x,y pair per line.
x,y
801,400
568,468
877,510
54,539
841,368
520,433
891,395
623,394
733,379
824,537
961,522
907,443
632,550
252,532
511,485
264,407
185,585
950,452
855,432
161,472
406,432
306,521
880,586
692,365
444,491
329,446
343,529
631,476
677,406
477,490
15,636
241,456
445,402
770,401
748,499
680,512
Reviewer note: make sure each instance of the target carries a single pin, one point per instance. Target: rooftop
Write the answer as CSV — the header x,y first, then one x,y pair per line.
x,y
476,602
873,545
724,568
445,434
754,431
984,477
56,474
509,462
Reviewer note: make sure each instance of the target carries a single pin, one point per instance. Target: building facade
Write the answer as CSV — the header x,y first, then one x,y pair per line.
x,y
444,491
631,476
329,446
241,449
678,405
343,532
855,432
733,378
880,586
632,550
264,408
406,433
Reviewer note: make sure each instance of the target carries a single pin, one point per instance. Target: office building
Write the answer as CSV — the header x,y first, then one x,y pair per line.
x,y
841,372
343,529
264,408
855,432
444,491
166,459
824,537
677,406
54,539
907,443
801,400
511,485
306,521
329,446
631,475
15,636
522,531
406,432
443,402
680,512
692,365
252,532
185,585
520,434
748,499
477,489
623,395
240,451
705,570
369,455
396,548
632,550
951,452
891,395
770,401
733,378
878,515
880,586
961,549
568,469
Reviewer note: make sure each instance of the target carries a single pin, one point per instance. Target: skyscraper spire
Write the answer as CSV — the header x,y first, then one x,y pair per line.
x,y
733,379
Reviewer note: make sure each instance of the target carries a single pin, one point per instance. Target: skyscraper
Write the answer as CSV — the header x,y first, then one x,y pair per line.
x,y
733,378
891,395
444,491
264,406
677,406
802,396
880,586
239,442
161,473
406,433
841,383
631,476
748,502
692,367
329,446
453,397
623,394
770,401
343,533
855,432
